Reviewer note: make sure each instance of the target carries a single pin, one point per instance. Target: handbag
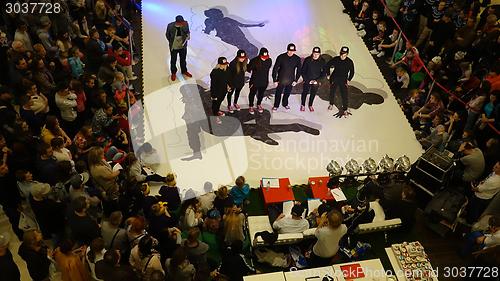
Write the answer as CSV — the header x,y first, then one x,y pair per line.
x,y
27,223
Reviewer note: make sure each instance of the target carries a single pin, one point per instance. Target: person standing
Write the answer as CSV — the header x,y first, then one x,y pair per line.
x,y
286,72
313,69
259,67
237,69
219,86
177,36
343,72
8,268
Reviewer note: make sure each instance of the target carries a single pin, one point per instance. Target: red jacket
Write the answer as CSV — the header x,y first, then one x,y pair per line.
x,y
124,59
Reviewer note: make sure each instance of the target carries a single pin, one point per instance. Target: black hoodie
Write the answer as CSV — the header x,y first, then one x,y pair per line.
x,y
219,80
260,71
37,262
236,80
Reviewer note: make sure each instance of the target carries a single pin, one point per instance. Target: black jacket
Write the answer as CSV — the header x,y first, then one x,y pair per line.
x,y
172,30
236,80
37,262
286,69
260,71
343,70
219,79
313,69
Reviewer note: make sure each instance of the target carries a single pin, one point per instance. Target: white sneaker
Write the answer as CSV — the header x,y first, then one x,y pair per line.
x,y
374,52
380,54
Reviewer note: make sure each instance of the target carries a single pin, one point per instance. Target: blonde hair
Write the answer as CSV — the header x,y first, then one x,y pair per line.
x,y
94,157
233,228
171,179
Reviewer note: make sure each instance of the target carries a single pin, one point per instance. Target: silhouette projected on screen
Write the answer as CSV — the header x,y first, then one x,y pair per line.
x,y
229,30
242,123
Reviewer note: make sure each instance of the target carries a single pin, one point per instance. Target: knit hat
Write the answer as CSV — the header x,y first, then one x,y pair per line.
x,y
344,50
291,47
222,60
317,50
4,239
241,54
40,189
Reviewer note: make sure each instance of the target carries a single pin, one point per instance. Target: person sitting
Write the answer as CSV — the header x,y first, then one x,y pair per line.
x,y
483,194
478,240
329,232
403,208
191,213
437,138
234,266
294,224
170,192
240,191
472,162
222,199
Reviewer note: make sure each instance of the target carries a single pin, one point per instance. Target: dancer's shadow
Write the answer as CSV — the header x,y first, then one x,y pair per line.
x,y
358,94
229,30
242,123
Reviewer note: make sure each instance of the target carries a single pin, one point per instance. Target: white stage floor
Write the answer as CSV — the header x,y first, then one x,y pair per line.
x,y
294,144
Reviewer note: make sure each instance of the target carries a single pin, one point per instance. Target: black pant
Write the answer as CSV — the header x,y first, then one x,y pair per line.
x,y
342,85
311,89
216,105
260,94
287,89
236,92
476,208
155,177
173,60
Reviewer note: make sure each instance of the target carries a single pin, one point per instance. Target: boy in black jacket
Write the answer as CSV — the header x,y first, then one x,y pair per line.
x,y
343,72
259,67
313,69
286,72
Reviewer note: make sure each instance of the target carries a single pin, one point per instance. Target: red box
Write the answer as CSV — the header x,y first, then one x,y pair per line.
x,y
278,195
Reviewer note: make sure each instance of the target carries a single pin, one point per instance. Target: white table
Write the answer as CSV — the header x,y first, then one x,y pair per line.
x,y
312,274
273,276
397,268
372,269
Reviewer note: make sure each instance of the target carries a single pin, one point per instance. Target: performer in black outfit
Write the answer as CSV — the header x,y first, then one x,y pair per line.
x,y
286,72
313,69
343,71
259,67
219,86
177,36
237,69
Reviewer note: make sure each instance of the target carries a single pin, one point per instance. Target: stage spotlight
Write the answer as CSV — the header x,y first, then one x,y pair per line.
x,y
334,168
402,164
370,166
386,164
352,167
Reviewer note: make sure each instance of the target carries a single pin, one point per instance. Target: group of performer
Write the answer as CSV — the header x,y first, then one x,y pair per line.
x,y
228,78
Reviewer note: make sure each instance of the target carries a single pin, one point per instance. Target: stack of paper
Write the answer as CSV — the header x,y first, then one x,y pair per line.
x,y
270,182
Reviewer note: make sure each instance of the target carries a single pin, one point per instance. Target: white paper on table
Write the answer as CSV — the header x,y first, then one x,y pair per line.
x,y
338,194
117,167
270,182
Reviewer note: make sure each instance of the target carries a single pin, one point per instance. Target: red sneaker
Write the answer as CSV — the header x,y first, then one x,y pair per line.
x,y
173,77
311,108
302,108
250,110
260,108
220,113
187,74
230,109
237,107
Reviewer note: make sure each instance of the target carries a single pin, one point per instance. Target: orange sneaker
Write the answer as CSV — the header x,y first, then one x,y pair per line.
x,y
187,74
173,77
